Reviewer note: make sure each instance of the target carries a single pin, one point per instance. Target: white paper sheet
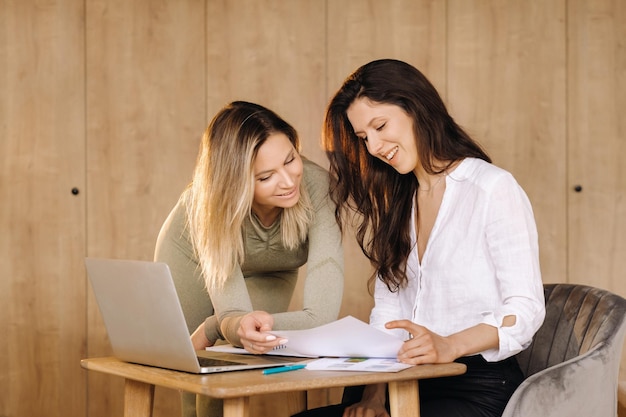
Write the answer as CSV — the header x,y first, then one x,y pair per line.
x,y
357,365
348,337
278,351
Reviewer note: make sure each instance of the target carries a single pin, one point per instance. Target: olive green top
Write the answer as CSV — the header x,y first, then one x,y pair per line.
x,y
267,277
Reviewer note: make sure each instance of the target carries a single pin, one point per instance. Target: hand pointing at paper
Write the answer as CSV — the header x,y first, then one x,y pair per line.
x,y
253,332
426,346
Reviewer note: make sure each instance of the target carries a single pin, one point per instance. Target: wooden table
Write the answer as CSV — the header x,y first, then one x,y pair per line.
x,y
235,388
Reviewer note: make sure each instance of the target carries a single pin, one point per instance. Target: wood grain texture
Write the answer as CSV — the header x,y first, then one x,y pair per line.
x,y
138,398
254,382
506,86
360,31
271,52
403,396
145,116
237,407
42,289
597,143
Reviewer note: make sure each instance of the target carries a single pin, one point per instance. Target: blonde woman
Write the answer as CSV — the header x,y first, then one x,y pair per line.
x,y
255,212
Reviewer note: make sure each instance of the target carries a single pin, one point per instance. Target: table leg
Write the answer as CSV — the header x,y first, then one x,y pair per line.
x,y
296,402
404,399
138,399
237,407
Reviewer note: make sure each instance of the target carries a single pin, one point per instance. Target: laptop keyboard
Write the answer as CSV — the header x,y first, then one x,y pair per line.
x,y
215,362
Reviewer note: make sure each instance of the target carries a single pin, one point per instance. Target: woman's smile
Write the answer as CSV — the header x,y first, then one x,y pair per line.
x,y
289,194
392,153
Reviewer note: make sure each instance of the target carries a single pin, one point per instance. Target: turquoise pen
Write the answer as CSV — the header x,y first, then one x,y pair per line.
x,y
283,369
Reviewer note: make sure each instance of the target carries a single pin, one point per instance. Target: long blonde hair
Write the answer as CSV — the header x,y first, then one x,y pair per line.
x,y
221,193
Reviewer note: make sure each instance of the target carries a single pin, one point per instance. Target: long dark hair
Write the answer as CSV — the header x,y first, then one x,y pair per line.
x,y
381,197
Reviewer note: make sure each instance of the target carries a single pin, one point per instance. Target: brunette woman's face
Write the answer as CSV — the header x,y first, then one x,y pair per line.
x,y
387,131
277,175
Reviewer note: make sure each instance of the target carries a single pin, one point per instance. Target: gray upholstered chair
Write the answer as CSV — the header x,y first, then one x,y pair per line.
x,y
572,365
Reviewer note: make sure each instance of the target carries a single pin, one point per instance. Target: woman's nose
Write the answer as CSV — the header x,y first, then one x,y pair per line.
x,y
374,145
286,179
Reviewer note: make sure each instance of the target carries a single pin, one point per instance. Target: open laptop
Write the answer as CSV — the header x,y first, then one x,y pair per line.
x,y
145,322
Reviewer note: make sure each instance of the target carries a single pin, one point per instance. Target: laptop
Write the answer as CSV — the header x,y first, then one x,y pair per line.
x,y
145,322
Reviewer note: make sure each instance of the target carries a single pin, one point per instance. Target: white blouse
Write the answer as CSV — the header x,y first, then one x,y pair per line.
x,y
481,263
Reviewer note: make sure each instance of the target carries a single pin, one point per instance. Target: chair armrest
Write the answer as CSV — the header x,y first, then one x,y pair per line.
x,y
582,386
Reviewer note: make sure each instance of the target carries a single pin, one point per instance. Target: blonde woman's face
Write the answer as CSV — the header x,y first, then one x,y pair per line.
x,y
277,176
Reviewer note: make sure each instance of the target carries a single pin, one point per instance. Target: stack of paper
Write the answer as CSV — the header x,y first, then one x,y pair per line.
x,y
348,344
347,337
357,364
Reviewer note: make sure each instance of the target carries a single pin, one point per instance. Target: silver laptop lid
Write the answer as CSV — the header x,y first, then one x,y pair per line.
x,y
146,324
142,314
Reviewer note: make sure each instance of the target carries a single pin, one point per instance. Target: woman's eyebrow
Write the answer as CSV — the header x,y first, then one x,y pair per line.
x,y
371,123
267,171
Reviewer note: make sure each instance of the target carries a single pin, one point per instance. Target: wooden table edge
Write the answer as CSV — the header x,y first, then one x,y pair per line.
x,y
301,380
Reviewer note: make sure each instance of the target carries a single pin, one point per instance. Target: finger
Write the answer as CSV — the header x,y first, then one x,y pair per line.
x,y
418,360
255,348
420,341
251,331
261,339
265,327
272,344
259,346
263,321
400,324
417,354
414,330
349,412
251,322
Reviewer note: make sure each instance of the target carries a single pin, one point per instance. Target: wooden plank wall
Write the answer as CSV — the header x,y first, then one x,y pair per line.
x,y
42,223
597,143
109,98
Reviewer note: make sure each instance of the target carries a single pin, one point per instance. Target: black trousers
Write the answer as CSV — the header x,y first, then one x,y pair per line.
x,y
483,391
